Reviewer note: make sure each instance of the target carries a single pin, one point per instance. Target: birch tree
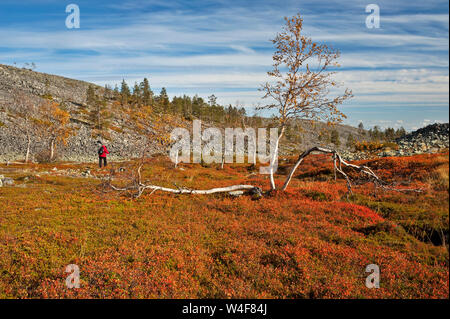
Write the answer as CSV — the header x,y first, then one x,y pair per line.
x,y
303,78
23,116
54,125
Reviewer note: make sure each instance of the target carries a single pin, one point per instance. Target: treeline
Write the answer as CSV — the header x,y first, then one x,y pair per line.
x,y
377,134
99,111
141,95
373,135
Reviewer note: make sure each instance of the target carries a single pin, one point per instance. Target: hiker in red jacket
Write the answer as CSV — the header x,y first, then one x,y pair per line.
x,y
102,151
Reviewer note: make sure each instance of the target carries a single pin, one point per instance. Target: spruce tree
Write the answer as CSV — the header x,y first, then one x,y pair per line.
x,y
137,100
124,93
334,138
147,94
164,102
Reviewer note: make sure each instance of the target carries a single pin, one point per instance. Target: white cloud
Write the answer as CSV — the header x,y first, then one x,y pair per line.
x,y
228,49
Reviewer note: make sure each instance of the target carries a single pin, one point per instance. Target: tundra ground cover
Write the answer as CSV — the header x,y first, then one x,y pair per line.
x,y
309,242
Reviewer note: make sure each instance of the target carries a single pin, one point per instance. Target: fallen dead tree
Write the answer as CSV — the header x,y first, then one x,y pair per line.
x,y
137,187
182,190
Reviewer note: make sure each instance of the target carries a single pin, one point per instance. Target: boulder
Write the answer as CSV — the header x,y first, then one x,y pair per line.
x,y
7,181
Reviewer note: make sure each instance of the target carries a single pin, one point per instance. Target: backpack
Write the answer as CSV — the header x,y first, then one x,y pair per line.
x,y
100,151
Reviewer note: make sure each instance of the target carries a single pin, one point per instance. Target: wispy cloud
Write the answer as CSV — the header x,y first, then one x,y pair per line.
x,y
223,47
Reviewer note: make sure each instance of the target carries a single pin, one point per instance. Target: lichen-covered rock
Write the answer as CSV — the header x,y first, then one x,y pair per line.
x,y
429,139
7,181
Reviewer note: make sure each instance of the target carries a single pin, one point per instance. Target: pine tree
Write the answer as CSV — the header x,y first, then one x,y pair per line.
x,y
137,98
164,102
389,134
124,93
147,94
350,140
400,132
361,128
116,93
212,100
197,103
334,138
99,117
98,114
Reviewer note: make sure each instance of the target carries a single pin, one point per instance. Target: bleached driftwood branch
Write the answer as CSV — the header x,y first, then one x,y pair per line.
x,y
182,190
138,187
338,163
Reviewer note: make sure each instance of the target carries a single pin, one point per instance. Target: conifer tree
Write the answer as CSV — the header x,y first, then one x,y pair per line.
x,y
334,138
147,94
137,98
124,93
163,99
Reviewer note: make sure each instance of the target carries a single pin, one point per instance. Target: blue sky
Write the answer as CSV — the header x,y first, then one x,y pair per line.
x,y
399,73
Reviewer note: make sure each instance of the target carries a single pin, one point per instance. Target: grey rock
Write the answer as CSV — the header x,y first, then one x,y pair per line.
x,y
7,181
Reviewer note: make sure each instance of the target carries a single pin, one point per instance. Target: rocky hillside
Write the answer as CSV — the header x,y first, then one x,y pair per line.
x,y
72,93
433,138
430,139
124,144
36,84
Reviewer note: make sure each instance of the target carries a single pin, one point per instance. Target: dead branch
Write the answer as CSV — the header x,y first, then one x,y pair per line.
x,y
137,187
140,188
337,159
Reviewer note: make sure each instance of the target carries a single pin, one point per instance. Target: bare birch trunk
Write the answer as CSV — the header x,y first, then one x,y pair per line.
x,y
299,161
52,147
176,160
272,161
27,155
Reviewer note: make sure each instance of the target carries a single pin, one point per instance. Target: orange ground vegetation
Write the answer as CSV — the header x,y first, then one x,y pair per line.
x,y
310,242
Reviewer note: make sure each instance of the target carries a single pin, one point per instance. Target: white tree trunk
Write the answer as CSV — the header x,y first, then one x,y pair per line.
x,y
27,155
52,148
273,159
199,191
299,161
141,188
176,160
